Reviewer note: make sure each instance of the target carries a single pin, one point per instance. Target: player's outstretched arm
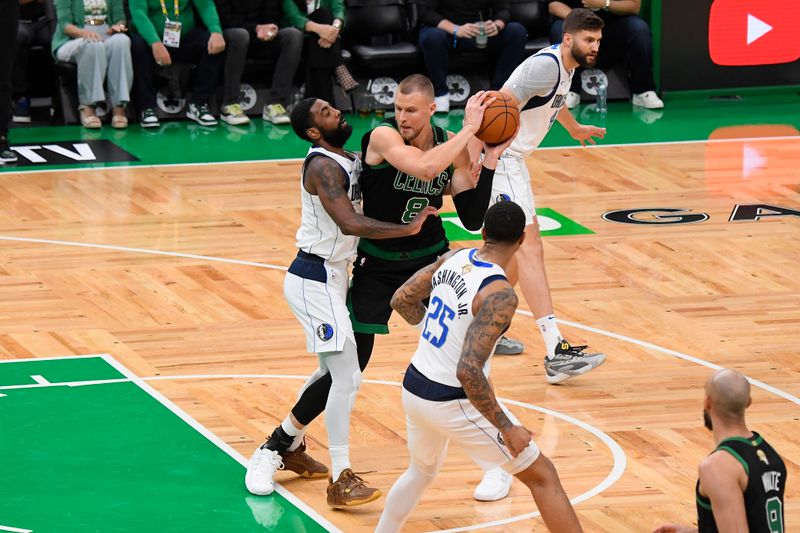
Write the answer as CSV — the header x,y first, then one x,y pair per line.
x,y
407,300
387,144
472,199
582,133
496,304
326,178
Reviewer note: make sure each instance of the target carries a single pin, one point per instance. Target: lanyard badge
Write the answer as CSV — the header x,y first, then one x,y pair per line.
x,y
172,28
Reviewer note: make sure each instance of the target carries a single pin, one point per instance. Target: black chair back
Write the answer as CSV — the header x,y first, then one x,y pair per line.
x,y
530,13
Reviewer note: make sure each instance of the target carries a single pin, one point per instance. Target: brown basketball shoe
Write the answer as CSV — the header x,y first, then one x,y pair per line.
x,y
349,491
303,464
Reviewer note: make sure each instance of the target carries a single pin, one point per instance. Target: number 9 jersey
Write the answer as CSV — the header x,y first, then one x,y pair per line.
x,y
444,327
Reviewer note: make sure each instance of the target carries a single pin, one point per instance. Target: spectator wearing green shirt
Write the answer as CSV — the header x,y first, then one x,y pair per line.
x,y
91,34
322,20
195,44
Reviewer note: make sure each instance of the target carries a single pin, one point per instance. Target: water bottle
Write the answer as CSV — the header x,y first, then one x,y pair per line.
x,y
602,97
481,39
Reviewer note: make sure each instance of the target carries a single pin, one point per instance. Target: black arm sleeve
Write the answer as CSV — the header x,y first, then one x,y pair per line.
x,y
472,204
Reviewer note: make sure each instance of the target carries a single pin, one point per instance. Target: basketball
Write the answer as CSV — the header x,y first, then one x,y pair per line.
x,y
499,120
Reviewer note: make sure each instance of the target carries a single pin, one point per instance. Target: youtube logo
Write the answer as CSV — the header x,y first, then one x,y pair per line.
x,y
754,32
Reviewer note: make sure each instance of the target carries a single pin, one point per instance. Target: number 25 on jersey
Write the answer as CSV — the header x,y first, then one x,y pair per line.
x,y
436,323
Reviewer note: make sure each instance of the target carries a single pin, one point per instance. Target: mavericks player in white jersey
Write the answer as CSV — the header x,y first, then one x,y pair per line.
x,y
316,289
539,87
446,391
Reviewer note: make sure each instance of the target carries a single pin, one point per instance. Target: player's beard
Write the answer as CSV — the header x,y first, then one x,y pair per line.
x,y
583,59
339,135
707,420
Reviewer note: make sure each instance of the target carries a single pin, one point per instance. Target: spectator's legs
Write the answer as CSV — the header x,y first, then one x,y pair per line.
x,y
9,22
90,56
237,41
509,46
630,38
557,31
120,69
321,61
144,65
290,41
435,45
194,48
25,37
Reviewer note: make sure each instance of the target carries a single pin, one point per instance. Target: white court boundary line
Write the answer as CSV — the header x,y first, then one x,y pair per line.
x,y
15,529
617,453
296,159
644,344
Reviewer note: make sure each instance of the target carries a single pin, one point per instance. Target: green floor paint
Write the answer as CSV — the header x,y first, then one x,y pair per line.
x,y
178,142
551,223
111,458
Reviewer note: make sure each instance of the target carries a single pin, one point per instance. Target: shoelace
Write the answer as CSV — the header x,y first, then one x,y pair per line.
x,y
273,459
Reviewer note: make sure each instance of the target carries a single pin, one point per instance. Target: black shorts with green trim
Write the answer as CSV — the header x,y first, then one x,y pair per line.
x,y
375,280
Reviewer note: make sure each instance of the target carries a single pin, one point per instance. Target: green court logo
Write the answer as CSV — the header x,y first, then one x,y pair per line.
x,y
551,222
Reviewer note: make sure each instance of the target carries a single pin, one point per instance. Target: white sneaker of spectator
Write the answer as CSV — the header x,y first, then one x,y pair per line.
x,y
233,115
573,99
276,114
201,115
442,104
648,99
494,486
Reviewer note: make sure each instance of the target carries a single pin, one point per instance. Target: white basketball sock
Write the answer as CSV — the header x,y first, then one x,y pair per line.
x,y
402,499
550,332
346,380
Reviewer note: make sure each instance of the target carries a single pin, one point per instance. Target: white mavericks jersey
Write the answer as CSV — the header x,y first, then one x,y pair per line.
x,y
541,84
318,233
455,285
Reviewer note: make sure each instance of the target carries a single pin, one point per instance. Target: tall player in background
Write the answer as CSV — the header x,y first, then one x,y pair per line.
x,y
316,289
447,395
539,87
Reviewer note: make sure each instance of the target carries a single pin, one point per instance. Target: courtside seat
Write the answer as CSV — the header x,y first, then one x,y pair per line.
x,y
534,16
377,35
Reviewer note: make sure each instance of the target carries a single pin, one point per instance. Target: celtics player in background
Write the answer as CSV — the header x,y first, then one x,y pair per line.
x,y
741,484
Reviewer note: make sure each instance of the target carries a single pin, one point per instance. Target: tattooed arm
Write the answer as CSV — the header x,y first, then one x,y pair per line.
x,y
325,178
407,300
495,305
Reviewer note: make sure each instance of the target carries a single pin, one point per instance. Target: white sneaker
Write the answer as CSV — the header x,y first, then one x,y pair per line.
x,y
494,486
573,99
260,471
276,114
648,99
442,104
234,115
201,115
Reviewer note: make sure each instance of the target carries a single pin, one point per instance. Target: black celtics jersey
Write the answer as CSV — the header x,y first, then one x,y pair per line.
x,y
393,196
766,481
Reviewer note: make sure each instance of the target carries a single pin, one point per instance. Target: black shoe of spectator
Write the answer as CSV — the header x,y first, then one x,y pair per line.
x,y
148,118
22,111
6,154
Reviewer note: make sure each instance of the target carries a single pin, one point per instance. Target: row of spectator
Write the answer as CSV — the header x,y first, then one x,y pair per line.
x,y
219,35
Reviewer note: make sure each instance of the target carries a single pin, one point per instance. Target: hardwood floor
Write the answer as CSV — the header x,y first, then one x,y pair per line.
x,y
727,293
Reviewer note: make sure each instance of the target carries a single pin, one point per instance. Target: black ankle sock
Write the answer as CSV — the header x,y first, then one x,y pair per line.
x,y
279,441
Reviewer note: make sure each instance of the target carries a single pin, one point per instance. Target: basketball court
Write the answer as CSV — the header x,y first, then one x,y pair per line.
x,y
146,348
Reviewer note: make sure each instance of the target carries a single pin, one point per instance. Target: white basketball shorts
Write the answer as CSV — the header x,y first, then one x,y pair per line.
x,y
431,425
317,294
513,182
